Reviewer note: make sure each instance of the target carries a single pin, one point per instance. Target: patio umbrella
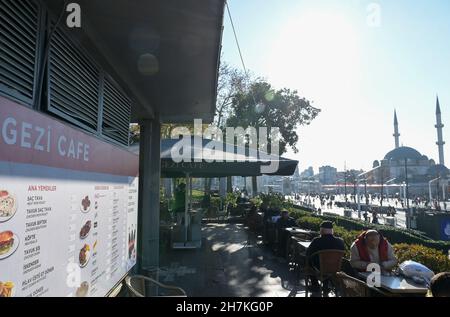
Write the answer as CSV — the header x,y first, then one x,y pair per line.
x,y
225,161
208,159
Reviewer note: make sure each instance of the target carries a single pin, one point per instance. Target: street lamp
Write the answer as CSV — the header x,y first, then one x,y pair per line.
x,y
429,187
408,220
365,191
358,179
387,188
345,185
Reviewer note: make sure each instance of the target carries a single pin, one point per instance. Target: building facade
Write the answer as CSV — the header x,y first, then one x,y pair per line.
x,y
327,175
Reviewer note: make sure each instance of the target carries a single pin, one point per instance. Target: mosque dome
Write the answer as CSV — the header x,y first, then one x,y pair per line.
x,y
403,152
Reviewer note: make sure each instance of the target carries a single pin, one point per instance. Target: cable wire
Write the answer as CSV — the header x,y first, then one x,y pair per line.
x,y
239,49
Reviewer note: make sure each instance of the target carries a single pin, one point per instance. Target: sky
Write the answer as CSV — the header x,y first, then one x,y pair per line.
x,y
357,61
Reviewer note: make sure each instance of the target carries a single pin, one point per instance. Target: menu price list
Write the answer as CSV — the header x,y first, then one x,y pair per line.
x,y
66,239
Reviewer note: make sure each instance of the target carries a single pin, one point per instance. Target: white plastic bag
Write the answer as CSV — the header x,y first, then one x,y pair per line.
x,y
416,271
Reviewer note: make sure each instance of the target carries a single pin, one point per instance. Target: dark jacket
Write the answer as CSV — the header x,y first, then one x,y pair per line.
x,y
325,242
286,223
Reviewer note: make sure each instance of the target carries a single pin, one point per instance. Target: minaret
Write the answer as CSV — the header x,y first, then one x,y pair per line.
x,y
440,143
396,134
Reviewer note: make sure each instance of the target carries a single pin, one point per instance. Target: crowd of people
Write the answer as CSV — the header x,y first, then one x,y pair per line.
x,y
392,201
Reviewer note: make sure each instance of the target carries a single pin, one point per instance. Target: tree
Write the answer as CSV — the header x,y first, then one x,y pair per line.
x,y
263,106
135,133
231,82
257,104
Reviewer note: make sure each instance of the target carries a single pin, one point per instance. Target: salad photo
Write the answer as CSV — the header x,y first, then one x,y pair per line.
x,y
8,205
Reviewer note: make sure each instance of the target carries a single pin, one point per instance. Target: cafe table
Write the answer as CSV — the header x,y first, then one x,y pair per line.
x,y
298,254
294,231
289,233
304,244
398,285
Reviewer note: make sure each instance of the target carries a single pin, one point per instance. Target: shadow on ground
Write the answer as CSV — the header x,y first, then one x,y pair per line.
x,y
231,263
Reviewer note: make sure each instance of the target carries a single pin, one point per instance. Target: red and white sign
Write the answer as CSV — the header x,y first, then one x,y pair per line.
x,y
68,208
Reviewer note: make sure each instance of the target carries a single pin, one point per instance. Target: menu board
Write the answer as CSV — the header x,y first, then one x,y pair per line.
x,y
68,208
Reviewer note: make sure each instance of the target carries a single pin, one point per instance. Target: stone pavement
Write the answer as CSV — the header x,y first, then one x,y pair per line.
x,y
231,263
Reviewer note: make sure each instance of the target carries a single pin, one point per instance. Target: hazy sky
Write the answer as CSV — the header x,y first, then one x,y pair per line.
x,y
334,54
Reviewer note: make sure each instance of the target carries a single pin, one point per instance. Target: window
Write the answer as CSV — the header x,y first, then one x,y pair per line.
x,y
80,92
116,113
74,82
19,22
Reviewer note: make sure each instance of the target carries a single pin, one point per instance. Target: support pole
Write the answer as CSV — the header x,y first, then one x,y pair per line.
x,y
149,182
229,184
255,186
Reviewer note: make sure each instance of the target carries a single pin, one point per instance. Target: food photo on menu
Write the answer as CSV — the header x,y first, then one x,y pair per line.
x,y
8,205
132,244
86,204
83,290
6,289
84,255
84,232
9,242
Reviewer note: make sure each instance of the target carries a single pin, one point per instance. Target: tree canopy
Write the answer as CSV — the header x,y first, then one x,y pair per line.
x,y
261,105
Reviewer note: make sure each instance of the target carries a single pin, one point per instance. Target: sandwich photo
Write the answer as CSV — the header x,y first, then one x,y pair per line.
x,y
6,242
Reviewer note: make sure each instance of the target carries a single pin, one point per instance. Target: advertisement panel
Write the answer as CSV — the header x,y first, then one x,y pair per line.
x,y
68,208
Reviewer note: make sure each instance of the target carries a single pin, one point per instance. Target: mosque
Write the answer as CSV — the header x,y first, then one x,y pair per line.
x,y
405,161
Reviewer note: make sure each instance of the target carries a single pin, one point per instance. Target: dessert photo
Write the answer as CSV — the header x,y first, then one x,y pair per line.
x,y
85,204
84,232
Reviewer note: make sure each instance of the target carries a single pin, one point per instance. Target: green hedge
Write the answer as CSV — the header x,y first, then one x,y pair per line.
x,y
431,258
394,235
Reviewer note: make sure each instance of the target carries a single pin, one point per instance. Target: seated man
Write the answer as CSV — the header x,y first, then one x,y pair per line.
x,y
326,241
440,285
285,221
372,247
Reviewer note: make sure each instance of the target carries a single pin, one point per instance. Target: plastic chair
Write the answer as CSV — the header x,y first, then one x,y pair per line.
x,y
136,284
330,263
348,286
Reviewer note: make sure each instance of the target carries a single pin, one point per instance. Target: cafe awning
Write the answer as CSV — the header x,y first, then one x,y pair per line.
x,y
235,160
164,52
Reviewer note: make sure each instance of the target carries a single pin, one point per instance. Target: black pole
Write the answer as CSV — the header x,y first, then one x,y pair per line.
x,y
382,188
437,189
345,185
407,191
365,191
